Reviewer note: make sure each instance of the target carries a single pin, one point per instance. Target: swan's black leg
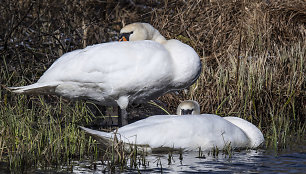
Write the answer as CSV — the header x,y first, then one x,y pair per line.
x,y
123,117
123,102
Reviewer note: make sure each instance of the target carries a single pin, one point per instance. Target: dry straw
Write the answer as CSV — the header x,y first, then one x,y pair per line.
x,y
252,53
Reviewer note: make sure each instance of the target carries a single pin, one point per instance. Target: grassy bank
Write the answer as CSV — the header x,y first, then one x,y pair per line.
x,y
252,53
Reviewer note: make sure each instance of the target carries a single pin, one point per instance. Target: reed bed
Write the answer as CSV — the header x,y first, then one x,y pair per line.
x,y
253,67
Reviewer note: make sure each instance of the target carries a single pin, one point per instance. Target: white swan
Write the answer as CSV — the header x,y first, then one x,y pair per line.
x,y
120,73
188,132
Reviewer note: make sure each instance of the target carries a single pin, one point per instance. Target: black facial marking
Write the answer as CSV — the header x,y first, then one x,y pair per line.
x,y
186,111
126,35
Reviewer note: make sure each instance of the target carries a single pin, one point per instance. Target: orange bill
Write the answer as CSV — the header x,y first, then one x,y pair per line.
x,y
123,38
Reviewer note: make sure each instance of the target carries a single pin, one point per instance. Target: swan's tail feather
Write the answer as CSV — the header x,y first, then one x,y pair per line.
x,y
255,135
103,137
36,88
95,132
108,140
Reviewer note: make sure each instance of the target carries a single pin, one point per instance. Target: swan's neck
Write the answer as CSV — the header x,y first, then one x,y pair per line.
x,y
154,34
159,38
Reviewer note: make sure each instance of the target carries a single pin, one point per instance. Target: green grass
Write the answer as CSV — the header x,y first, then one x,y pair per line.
x,y
37,134
40,131
253,66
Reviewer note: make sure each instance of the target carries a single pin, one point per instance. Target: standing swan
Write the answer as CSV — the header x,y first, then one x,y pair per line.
x,y
120,73
187,132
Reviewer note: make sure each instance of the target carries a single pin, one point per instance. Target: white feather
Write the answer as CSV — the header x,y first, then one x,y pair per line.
x,y
128,72
188,132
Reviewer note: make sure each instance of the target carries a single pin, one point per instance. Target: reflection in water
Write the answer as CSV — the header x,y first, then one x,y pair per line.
x,y
241,161
247,161
250,161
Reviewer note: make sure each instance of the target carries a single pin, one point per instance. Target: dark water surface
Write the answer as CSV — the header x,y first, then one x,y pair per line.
x,y
246,161
251,161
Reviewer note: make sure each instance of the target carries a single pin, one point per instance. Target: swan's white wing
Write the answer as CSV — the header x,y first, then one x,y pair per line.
x,y
153,131
254,134
188,62
103,72
110,61
187,132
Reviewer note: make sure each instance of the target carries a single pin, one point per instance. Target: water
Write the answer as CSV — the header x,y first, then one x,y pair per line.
x,y
246,161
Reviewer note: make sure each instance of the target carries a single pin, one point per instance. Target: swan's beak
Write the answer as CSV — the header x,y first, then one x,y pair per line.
x,y
123,38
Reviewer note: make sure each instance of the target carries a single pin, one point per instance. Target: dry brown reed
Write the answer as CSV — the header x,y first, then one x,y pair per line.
x,y
253,57
252,52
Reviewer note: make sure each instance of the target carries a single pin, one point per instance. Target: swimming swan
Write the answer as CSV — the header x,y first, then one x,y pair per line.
x,y
187,132
120,73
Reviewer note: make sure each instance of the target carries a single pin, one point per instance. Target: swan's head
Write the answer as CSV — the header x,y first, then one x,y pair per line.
x,y
140,31
188,107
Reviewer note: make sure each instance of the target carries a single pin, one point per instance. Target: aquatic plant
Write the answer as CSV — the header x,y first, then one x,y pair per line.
x,y
253,66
